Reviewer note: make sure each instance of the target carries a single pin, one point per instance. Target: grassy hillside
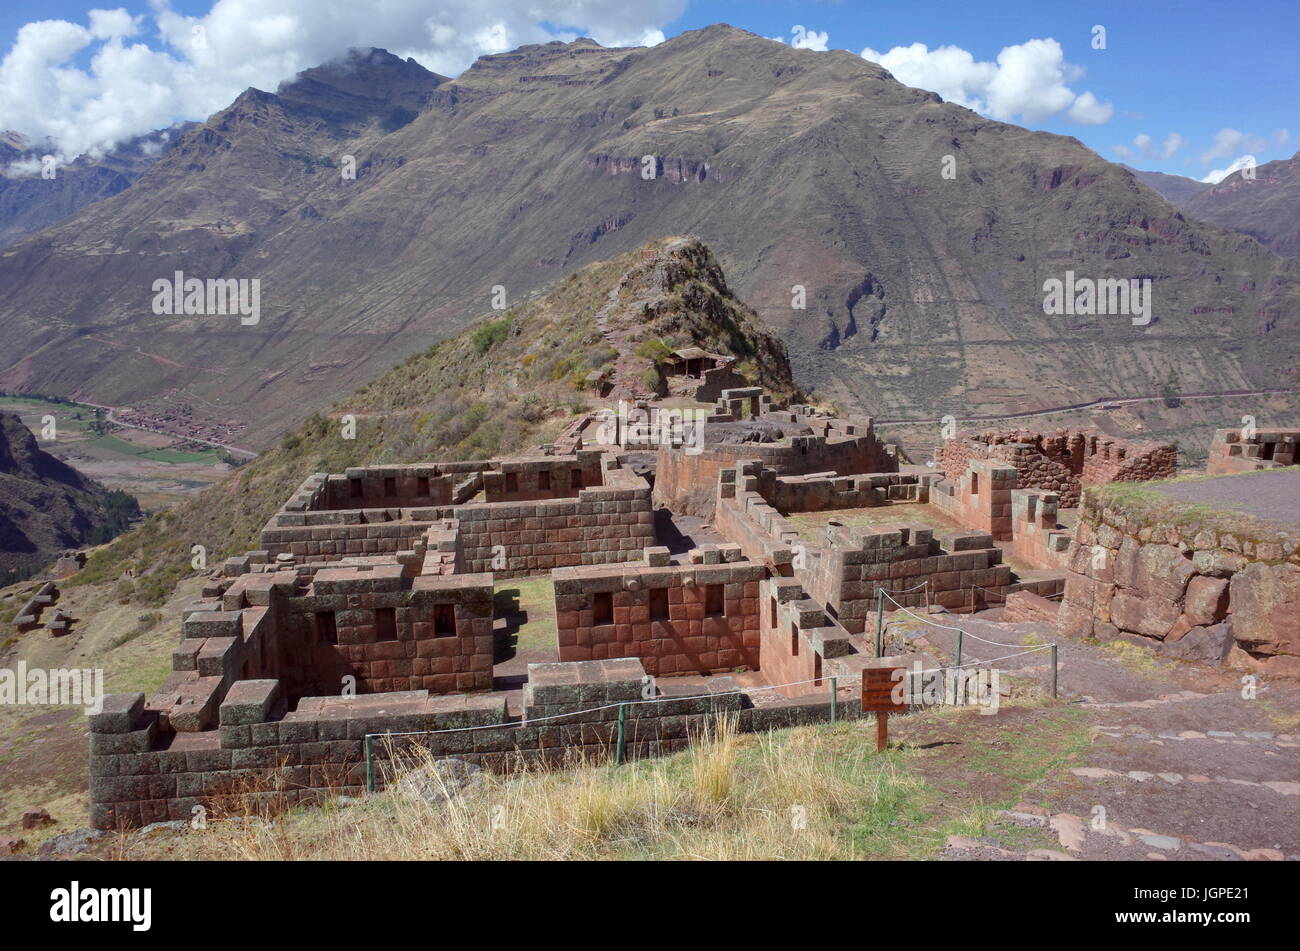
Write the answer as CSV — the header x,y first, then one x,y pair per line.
x,y
506,385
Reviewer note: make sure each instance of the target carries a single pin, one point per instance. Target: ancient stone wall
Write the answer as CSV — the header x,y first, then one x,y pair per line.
x,y
334,535
546,477
404,486
979,497
694,618
685,481
1035,536
1233,450
1062,461
844,571
609,524
384,629
263,753
1194,591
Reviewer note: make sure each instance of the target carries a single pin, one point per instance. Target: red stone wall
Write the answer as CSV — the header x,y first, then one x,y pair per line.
x,y
600,526
528,475
688,641
1062,461
1232,452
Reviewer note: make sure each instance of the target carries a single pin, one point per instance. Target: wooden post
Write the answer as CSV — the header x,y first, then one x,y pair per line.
x,y
618,748
882,731
1053,671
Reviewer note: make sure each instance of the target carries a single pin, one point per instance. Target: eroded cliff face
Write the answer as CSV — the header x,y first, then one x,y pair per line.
x,y
1188,589
674,169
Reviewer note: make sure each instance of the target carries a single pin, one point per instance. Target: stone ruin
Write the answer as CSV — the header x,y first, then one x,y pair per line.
x,y
29,615
1235,450
1063,461
685,583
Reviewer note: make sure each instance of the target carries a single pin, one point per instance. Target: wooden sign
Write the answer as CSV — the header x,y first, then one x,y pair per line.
x,y
878,686
878,696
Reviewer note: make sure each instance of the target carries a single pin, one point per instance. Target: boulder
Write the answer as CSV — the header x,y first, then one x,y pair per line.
x,y
1206,601
68,844
1163,572
35,818
1265,603
1149,615
1028,606
1208,643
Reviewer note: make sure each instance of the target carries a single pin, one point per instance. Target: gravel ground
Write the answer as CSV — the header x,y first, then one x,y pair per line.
x,y
1273,496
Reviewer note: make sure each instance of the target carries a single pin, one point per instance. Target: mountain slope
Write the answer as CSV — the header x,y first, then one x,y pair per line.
x,y
799,168
512,381
29,203
1176,189
46,505
1266,207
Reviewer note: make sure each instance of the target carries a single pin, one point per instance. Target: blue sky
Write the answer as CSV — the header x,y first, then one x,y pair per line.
x,y
1180,87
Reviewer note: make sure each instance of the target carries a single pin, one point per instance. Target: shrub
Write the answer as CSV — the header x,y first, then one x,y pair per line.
x,y
654,349
488,335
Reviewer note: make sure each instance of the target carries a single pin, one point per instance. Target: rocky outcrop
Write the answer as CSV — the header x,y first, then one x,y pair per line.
x,y
46,506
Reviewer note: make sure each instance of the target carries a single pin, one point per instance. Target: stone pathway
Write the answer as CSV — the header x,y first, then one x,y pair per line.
x,y
1181,767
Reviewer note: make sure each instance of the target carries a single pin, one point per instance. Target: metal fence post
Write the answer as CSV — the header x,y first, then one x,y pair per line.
x,y
370,767
1053,671
880,622
960,634
618,748
835,689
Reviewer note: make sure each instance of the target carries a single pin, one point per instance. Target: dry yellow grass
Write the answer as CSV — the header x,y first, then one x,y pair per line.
x,y
802,794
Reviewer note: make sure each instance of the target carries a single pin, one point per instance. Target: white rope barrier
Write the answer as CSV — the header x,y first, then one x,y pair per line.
x,y
948,627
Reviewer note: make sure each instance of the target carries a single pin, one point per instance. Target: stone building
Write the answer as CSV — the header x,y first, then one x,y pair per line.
x,y
738,570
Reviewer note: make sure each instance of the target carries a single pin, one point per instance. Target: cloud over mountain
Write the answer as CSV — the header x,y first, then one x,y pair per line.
x,y
86,87
1029,81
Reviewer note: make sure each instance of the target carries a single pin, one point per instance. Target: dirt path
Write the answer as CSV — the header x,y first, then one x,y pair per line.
x,y
1183,764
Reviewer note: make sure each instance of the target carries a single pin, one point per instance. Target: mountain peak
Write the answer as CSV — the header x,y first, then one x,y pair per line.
x,y
361,85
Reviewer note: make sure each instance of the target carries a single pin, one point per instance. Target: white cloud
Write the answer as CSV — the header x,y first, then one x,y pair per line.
x,y
1145,147
1219,174
1086,110
949,70
128,88
1030,80
1229,141
106,24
